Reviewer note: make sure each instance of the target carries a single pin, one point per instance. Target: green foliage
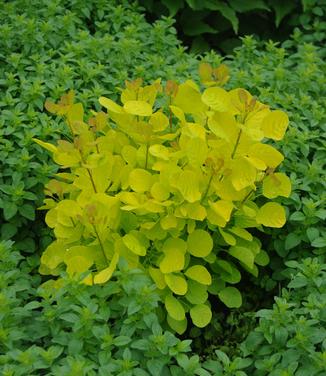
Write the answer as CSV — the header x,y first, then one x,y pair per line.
x,y
291,338
68,328
218,24
167,186
89,46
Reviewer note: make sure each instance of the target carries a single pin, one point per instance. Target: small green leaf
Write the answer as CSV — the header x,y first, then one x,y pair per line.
x,y
9,209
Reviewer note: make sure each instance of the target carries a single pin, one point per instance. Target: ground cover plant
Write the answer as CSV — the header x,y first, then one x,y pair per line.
x,y
93,47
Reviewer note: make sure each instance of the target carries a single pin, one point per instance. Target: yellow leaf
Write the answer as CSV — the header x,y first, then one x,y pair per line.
x,y
110,105
223,208
243,174
271,214
105,274
78,259
216,98
46,145
178,113
223,125
159,121
139,108
188,185
200,243
160,192
275,124
276,184
266,153
169,221
173,261
177,284
188,98
200,274
140,180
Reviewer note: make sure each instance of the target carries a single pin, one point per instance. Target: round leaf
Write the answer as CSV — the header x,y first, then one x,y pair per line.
x,y
231,297
200,243
201,315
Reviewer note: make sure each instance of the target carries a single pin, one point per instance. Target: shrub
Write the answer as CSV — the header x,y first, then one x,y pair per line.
x,y
165,183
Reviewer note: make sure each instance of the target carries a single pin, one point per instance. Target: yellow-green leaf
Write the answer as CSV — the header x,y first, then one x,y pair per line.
x,y
271,214
140,180
201,315
188,185
200,243
200,274
244,255
197,292
179,326
174,308
173,261
176,283
157,277
231,297
275,124
134,244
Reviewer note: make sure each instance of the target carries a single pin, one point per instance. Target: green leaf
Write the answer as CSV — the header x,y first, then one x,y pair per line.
x,y
231,297
319,242
201,315
9,209
292,240
173,6
27,211
282,8
244,255
226,12
246,6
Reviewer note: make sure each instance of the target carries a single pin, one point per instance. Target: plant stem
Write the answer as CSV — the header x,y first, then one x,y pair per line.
x,y
236,143
92,180
101,245
207,189
146,158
